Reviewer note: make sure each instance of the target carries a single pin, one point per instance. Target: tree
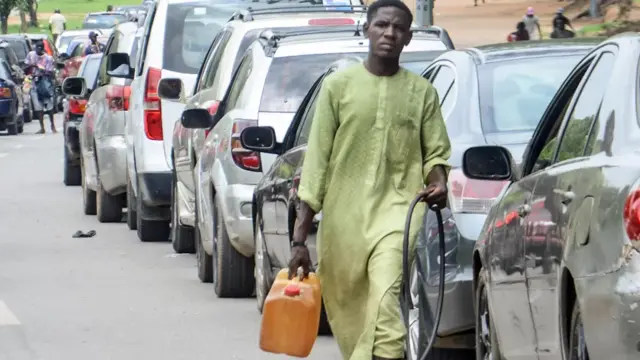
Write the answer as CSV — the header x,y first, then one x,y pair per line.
x,y
5,10
32,9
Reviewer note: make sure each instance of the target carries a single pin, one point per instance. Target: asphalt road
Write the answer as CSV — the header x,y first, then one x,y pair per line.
x,y
106,297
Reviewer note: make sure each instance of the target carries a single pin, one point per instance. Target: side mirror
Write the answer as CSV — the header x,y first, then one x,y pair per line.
x,y
171,89
259,138
74,86
196,119
118,66
63,56
488,163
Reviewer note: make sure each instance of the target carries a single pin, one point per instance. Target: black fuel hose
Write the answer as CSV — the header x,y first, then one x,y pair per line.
x,y
407,303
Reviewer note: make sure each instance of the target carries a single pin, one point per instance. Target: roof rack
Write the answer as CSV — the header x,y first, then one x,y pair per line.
x,y
248,14
271,38
441,33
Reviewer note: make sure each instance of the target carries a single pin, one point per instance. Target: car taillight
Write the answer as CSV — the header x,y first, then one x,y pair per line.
x,y
631,216
245,159
152,108
77,106
5,92
331,22
212,108
472,196
118,97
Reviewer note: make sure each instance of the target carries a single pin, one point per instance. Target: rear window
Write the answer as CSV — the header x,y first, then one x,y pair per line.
x,y
514,94
290,78
103,21
418,61
189,32
90,72
64,43
19,47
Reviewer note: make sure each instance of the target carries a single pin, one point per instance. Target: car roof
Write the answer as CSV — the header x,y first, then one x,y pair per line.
x,y
523,49
106,13
14,36
37,36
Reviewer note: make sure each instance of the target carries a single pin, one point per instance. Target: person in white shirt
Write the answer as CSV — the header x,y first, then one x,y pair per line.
x,y
57,24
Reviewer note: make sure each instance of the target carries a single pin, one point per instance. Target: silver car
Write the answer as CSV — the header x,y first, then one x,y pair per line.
x,y
102,134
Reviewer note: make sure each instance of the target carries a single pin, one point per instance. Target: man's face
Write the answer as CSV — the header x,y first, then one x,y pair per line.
x,y
93,39
389,32
39,50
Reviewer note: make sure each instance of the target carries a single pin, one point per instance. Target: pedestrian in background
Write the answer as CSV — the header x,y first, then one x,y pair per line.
x,y
560,22
40,66
532,24
109,8
94,47
377,138
57,24
521,33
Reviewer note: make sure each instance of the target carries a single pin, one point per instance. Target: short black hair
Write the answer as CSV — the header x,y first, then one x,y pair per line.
x,y
373,8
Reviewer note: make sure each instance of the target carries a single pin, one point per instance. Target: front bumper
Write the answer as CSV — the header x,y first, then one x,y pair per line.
x,y
460,232
235,203
112,160
610,308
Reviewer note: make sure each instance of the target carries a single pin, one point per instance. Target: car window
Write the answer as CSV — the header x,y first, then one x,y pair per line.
x,y
79,50
19,47
515,93
112,47
305,127
103,21
576,132
4,56
189,32
90,71
239,82
64,43
214,61
5,73
444,83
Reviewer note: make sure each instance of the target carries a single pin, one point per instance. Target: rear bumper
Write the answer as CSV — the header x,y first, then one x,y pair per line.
x,y
235,203
112,159
155,188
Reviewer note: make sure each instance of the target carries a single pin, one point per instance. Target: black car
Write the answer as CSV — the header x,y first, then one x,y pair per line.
x,y
472,85
10,102
20,44
9,56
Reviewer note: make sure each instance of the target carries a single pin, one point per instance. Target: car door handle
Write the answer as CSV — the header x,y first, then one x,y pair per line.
x,y
524,210
565,196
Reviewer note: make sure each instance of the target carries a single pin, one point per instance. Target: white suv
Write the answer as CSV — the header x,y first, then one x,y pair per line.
x,y
176,37
222,59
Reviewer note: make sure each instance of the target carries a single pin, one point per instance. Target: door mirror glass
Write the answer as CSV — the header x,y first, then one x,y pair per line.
x,y
196,119
488,163
170,89
74,86
258,138
118,66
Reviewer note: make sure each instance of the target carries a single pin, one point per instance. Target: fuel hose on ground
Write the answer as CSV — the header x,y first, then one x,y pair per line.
x,y
406,302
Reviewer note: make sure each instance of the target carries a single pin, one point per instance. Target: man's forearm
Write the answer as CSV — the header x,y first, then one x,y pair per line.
x,y
304,220
437,175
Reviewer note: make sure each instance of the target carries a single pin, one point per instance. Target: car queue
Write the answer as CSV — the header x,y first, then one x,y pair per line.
x,y
194,127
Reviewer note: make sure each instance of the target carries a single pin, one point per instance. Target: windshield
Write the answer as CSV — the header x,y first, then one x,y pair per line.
x,y
290,78
64,43
189,32
103,21
19,47
90,72
4,74
514,94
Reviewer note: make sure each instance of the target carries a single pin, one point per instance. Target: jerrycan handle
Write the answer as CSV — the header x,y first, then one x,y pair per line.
x,y
292,290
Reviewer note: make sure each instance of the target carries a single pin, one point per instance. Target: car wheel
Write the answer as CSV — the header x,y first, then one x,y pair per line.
x,y
486,340
182,238
88,195
204,261
109,207
234,271
577,342
72,174
132,214
262,264
13,128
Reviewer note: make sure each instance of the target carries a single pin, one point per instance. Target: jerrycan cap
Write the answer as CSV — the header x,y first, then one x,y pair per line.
x,y
292,290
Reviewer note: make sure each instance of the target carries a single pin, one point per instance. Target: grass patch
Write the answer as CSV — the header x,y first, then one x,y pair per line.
x,y
610,28
72,7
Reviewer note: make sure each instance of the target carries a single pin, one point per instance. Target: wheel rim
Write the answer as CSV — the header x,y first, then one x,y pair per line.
x,y
579,350
484,333
259,264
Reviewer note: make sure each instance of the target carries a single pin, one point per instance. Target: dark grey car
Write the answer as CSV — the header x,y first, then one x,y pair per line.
x,y
557,270
493,94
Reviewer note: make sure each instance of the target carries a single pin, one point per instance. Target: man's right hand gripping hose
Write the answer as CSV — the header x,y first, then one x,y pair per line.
x,y
407,303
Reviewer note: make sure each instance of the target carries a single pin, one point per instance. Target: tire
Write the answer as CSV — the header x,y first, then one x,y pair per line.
x,y
72,173
182,237
88,195
484,320
204,261
13,128
109,207
262,264
234,272
577,344
21,127
132,214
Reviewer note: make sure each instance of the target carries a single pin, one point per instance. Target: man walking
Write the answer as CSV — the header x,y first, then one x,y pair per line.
x,y
377,139
57,24
532,24
40,66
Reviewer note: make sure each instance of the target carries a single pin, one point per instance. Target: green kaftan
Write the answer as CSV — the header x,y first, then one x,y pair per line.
x,y
372,144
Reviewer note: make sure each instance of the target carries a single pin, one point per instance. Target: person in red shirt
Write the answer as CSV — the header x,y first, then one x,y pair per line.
x,y
521,33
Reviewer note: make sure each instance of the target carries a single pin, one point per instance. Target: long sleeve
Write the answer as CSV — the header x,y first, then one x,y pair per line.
x,y
321,136
436,147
